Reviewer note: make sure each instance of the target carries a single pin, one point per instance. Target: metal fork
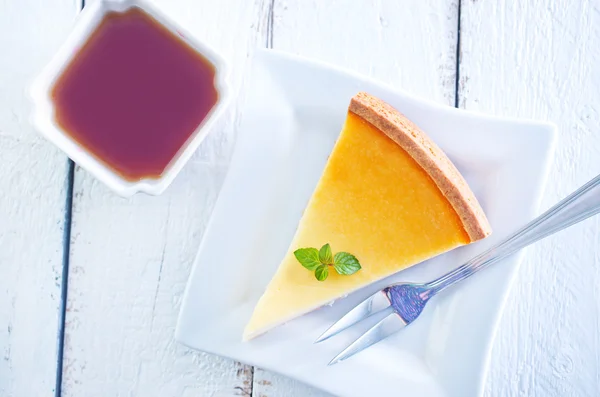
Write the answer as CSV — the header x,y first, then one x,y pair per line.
x,y
401,304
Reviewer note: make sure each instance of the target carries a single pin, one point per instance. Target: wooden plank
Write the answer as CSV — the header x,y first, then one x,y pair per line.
x,y
409,45
32,182
541,60
130,259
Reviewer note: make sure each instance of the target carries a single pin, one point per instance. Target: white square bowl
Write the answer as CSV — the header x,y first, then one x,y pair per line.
x,y
292,117
43,116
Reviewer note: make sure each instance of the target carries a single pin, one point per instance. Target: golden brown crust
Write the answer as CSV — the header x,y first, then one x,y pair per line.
x,y
426,153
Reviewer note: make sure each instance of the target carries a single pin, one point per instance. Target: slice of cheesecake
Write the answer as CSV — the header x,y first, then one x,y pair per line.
x,y
389,196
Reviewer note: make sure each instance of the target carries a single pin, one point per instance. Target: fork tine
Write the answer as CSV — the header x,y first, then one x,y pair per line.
x,y
391,324
373,304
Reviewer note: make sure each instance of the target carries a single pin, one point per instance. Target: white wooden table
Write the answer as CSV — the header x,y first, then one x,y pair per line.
x,y
90,284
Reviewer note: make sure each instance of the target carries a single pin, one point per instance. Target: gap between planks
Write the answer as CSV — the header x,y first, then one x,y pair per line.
x,y
64,276
457,67
64,285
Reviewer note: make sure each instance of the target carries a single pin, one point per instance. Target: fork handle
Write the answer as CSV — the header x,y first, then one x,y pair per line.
x,y
580,205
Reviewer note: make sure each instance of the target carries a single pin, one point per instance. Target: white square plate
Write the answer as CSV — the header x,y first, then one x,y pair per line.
x,y
293,114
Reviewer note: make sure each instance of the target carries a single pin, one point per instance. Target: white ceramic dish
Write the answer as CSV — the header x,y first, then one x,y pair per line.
x,y
43,115
291,119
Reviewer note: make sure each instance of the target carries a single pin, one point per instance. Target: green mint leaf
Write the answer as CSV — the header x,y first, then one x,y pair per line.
x,y
345,263
308,257
325,255
322,272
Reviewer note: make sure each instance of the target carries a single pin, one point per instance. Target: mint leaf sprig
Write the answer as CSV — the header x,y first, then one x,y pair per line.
x,y
321,260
